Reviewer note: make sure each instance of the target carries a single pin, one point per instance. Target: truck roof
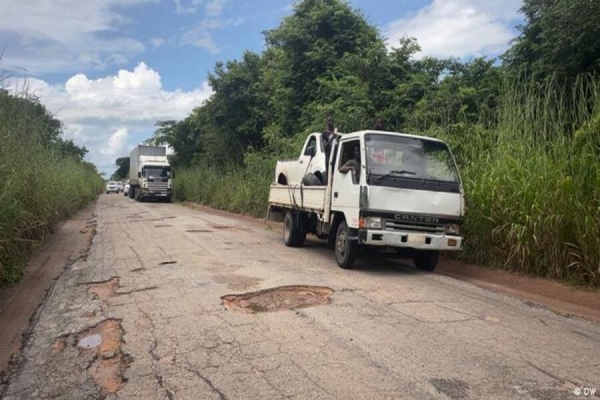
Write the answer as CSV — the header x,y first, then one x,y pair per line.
x,y
361,133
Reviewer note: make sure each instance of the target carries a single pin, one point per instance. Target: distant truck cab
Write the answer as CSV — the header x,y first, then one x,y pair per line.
x,y
406,196
150,174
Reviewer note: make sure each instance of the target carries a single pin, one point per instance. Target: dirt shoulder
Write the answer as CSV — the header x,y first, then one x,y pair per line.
x,y
558,297
19,302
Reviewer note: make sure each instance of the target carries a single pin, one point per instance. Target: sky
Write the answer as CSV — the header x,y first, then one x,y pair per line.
x,y
109,69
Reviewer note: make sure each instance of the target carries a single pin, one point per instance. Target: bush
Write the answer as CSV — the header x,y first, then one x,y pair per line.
x,y
38,186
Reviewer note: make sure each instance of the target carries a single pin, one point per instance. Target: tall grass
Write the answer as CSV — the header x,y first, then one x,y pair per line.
x,y
38,187
532,182
243,189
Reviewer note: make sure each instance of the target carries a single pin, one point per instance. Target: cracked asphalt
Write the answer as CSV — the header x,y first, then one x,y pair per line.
x,y
389,331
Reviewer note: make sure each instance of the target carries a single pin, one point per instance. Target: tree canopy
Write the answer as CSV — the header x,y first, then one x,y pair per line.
x,y
326,59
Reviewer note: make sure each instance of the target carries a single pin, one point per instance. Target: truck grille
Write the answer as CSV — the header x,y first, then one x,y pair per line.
x,y
393,225
158,186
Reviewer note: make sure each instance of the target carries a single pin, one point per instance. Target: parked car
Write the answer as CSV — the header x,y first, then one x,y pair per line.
x,y
120,184
112,186
126,188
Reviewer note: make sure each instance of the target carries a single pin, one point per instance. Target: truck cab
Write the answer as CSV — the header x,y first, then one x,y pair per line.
x,y
403,194
155,177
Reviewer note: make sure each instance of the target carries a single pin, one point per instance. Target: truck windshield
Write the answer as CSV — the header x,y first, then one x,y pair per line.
x,y
400,158
157,172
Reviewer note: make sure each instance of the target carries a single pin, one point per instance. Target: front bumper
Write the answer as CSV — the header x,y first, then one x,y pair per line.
x,y
149,193
414,240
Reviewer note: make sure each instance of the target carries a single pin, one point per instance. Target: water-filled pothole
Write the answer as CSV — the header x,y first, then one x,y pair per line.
x,y
103,343
279,298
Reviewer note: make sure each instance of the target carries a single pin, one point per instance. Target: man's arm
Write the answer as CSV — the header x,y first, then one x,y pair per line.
x,y
349,166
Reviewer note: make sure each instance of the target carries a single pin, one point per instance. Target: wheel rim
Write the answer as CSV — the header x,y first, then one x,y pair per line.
x,y
341,244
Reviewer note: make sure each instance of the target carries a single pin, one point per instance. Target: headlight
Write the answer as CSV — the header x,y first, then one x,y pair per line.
x,y
144,184
453,229
374,223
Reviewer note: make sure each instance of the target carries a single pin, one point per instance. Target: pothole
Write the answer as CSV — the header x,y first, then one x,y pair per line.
x,y
279,298
105,289
103,343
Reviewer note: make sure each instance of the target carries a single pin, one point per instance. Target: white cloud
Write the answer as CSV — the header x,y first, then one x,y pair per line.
x,y
200,35
213,8
157,42
458,28
65,35
201,39
112,114
117,143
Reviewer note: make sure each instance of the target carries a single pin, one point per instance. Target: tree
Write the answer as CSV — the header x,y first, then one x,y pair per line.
x,y
122,171
559,39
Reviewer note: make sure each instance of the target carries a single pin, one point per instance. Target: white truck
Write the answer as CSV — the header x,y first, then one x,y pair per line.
x,y
149,174
404,196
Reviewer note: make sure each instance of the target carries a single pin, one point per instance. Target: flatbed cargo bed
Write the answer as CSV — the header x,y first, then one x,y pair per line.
x,y
308,198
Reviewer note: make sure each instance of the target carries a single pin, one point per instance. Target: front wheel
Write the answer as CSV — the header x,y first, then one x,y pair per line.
x,y
346,249
426,260
294,233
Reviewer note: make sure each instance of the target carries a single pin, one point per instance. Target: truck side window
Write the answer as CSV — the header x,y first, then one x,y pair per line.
x,y
312,143
350,157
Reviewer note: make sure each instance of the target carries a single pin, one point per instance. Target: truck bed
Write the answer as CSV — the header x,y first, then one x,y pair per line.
x,y
296,196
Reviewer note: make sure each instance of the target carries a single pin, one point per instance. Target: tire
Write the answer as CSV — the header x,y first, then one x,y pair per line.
x,y
426,260
345,250
311,180
294,232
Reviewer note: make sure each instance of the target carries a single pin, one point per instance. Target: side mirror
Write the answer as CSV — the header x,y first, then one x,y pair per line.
x,y
312,151
139,174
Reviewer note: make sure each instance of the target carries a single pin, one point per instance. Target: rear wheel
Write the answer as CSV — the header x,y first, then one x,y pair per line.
x,y
346,249
426,260
294,232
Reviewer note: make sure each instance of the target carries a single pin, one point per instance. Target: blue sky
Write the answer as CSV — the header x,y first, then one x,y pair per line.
x,y
110,68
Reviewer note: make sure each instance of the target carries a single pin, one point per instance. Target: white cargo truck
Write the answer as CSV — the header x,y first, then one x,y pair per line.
x,y
403,196
149,174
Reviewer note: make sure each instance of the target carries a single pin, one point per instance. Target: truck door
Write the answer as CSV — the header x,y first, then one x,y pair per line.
x,y
346,186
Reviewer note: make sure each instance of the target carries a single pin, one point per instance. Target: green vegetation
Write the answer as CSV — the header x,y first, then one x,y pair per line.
x,y
122,172
525,131
42,180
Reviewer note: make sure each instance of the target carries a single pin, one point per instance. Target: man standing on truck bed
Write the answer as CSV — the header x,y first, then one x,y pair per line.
x,y
327,138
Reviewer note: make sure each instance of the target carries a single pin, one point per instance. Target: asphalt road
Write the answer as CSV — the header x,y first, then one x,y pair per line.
x,y
142,316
